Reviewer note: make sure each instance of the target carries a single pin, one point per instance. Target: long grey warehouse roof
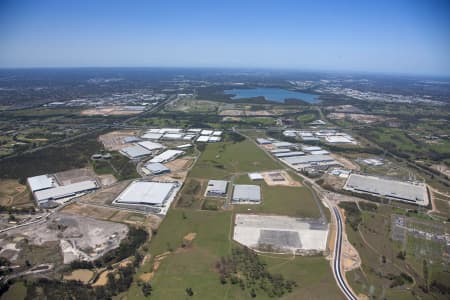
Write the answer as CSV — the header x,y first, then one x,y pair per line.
x,y
288,154
40,182
166,156
65,190
156,168
263,141
307,159
399,190
135,151
279,151
247,192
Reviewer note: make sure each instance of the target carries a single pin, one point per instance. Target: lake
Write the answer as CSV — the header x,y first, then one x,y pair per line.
x,y
272,94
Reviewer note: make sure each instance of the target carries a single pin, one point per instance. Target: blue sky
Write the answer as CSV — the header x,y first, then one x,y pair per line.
x,y
376,36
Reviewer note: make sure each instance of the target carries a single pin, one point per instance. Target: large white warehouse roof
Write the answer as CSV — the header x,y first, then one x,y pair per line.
x,y
247,193
150,145
147,192
156,168
166,156
40,182
135,151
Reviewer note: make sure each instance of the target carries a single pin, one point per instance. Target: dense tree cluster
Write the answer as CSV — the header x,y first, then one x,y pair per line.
x,y
244,268
136,237
352,214
75,154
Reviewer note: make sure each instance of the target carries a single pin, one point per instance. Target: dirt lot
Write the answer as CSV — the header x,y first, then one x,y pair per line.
x,y
107,179
113,214
78,237
83,275
442,169
87,210
350,256
75,175
334,182
180,164
178,169
12,193
109,111
102,279
106,195
113,141
279,178
346,162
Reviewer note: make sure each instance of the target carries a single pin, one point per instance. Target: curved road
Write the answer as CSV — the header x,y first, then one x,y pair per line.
x,y
337,258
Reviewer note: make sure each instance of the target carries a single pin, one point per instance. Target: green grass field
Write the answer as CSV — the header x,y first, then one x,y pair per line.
x,y
220,160
283,200
194,266
17,291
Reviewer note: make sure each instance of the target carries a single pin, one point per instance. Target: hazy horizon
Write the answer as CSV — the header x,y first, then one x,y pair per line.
x,y
383,37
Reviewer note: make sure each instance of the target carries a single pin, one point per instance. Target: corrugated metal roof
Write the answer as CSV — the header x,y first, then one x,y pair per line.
x,y
166,156
65,190
389,188
247,192
150,145
217,187
40,182
156,168
135,151
306,159
147,192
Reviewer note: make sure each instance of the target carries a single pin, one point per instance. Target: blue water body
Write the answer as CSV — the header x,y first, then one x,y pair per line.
x,y
272,94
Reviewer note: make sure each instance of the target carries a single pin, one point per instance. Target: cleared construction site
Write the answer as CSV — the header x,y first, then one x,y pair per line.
x,y
79,237
280,234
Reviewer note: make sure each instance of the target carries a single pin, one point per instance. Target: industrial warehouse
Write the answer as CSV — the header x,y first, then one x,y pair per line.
x,y
216,188
415,193
46,189
179,134
246,193
307,161
155,168
148,195
135,151
166,156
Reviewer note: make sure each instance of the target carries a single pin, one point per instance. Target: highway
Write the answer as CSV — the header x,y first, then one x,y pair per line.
x,y
337,258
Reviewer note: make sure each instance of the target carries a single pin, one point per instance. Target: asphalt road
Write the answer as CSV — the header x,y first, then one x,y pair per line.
x,y
337,258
